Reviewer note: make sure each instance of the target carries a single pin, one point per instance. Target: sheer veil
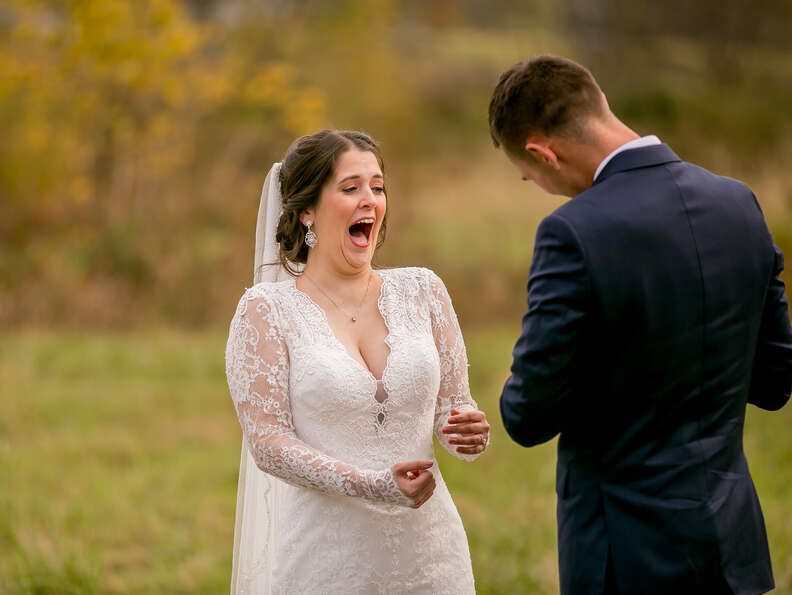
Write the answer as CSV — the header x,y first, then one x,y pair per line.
x,y
259,493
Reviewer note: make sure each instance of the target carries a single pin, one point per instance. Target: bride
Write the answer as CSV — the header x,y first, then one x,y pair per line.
x,y
340,375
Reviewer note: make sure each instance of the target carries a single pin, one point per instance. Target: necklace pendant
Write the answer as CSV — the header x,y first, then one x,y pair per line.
x,y
354,319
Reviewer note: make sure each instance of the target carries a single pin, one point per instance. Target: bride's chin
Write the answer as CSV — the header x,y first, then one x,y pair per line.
x,y
358,261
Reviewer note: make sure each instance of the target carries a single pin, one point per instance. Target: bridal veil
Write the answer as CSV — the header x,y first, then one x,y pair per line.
x,y
259,493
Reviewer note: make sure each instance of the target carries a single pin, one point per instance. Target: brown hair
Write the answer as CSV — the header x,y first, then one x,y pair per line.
x,y
544,94
308,163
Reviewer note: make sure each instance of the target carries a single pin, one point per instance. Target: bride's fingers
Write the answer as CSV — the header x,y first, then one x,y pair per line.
x,y
467,422
471,450
425,494
468,428
425,481
422,501
411,467
467,417
414,478
471,439
418,499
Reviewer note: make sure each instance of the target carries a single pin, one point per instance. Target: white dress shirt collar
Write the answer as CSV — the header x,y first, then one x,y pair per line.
x,y
644,141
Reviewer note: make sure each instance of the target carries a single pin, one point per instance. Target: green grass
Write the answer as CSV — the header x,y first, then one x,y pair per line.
x,y
119,454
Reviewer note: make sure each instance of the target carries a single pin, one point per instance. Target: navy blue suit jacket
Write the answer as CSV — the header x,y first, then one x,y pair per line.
x,y
655,313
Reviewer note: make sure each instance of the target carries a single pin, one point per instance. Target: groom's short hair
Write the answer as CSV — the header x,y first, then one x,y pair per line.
x,y
546,94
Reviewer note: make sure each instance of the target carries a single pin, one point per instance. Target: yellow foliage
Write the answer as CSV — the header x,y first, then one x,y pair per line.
x,y
121,78
135,136
80,190
304,113
268,85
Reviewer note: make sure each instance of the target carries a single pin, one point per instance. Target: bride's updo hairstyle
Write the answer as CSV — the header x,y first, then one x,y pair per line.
x,y
308,164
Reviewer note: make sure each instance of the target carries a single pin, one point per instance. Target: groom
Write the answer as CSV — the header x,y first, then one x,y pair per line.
x,y
655,313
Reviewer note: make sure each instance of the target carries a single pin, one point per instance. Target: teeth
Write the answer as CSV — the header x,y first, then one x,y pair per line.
x,y
364,221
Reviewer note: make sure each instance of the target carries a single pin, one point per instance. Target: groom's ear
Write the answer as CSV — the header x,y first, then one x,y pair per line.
x,y
540,148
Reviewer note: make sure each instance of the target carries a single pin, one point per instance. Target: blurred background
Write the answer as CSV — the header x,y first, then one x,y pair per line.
x,y
134,139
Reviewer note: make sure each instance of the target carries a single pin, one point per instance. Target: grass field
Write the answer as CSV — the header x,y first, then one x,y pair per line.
x,y
119,454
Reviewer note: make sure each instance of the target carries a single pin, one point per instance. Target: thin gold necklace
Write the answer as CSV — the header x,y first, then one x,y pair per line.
x,y
354,316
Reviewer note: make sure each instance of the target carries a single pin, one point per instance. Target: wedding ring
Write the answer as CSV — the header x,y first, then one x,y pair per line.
x,y
483,439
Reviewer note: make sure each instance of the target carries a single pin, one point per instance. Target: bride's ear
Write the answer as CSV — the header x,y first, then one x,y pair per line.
x,y
306,215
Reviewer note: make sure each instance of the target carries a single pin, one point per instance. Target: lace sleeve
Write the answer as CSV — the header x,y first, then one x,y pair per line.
x,y
257,368
454,390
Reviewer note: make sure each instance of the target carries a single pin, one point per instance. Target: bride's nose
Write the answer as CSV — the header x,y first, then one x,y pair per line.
x,y
367,198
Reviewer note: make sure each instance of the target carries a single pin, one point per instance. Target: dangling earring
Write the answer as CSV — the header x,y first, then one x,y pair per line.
x,y
310,237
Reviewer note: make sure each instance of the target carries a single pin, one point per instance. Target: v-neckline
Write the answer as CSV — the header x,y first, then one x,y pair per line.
x,y
338,342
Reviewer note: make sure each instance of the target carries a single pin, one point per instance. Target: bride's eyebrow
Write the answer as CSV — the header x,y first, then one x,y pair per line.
x,y
357,177
346,179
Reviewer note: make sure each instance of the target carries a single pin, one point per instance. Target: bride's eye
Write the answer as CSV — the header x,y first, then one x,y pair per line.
x,y
349,190
379,189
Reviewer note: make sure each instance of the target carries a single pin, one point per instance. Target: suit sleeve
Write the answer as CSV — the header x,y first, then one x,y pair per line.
x,y
771,380
536,396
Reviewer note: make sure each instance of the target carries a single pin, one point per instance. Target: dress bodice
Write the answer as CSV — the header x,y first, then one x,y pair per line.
x,y
315,417
334,397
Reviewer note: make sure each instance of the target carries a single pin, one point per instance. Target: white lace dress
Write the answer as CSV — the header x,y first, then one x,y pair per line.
x,y
316,418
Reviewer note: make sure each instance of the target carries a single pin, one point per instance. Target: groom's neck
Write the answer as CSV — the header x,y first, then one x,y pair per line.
x,y
613,134
603,137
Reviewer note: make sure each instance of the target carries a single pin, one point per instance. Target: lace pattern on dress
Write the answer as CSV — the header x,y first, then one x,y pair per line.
x,y
454,393
257,366
316,418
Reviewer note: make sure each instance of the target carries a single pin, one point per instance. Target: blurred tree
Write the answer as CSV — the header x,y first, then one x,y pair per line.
x,y
136,133
106,107
718,68
719,24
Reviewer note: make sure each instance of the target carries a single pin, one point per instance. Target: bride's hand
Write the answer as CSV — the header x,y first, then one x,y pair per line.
x,y
415,480
472,429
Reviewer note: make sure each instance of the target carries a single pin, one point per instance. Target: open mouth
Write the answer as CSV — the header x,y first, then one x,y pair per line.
x,y
360,232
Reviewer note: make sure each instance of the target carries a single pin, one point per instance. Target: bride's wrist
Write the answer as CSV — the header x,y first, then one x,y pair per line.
x,y
383,487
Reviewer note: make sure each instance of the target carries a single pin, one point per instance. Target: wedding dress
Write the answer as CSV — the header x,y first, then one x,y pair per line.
x,y
314,417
